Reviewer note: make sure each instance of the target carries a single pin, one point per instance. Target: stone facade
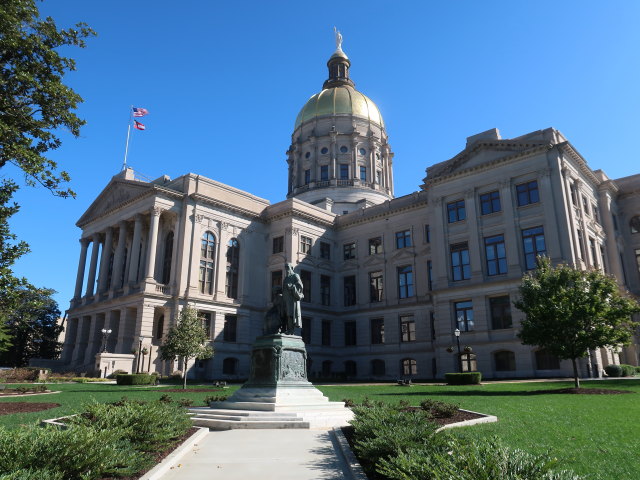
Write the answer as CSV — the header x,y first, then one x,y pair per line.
x,y
387,280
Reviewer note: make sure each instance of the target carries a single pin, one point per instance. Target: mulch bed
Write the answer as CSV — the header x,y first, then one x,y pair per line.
x,y
581,391
190,390
8,408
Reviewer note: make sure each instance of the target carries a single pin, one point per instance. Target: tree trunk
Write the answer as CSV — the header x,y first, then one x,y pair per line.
x,y
576,379
184,372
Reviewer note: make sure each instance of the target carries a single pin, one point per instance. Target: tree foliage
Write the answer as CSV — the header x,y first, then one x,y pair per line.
x,y
34,102
186,340
570,311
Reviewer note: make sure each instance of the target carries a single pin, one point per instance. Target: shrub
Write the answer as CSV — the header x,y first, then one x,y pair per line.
x,y
628,370
215,398
135,379
638,370
467,378
438,409
34,474
115,373
185,402
75,453
17,375
166,398
613,370
348,402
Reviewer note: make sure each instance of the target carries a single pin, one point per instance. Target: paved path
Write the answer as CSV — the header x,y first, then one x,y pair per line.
x,y
295,454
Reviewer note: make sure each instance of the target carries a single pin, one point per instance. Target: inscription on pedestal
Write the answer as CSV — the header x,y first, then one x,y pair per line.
x,y
293,365
261,363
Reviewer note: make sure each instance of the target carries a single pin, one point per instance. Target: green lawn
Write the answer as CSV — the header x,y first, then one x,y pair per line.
x,y
595,435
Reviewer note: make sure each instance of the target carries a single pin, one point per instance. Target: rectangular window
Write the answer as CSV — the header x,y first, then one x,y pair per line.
x,y
405,281
604,259
326,333
500,308
324,173
496,255
344,171
229,333
403,239
325,250
278,244
427,234
533,244
349,250
432,323
456,211
306,330
378,177
377,331
464,316
307,177
527,193
585,205
596,213
350,333
276,281
206,277
581,244
490,203
305,244
407,329
460,266
375,245
637,252
349,290
574,194
594,255
206,322
375,286
363,174
325,290
305,277
430,275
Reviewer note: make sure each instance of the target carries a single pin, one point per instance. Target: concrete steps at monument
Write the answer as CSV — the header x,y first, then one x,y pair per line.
x,y
224,419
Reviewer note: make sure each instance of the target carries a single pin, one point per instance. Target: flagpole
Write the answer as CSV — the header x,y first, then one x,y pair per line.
x,y
126,148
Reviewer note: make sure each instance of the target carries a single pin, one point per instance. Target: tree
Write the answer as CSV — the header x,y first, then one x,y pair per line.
x,y
571,311
34,103
186,340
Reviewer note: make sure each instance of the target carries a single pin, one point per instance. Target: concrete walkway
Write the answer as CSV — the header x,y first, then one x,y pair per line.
x,y
290,454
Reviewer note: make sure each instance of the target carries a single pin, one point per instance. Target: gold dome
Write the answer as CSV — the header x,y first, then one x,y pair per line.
x,y
341,100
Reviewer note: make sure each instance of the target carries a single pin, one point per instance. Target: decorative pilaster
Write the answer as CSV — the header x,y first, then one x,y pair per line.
x,y
103,279
84,245
153,242
134,257
95,239
118,261
174,252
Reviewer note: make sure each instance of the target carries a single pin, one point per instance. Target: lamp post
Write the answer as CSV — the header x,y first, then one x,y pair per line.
x,y
456,332
141,339
105,336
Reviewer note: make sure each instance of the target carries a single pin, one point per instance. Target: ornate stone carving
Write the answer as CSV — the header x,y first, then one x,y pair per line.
x,y
293,365
156,211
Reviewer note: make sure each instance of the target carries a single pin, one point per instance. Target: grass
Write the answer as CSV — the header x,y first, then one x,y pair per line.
x,y
594,435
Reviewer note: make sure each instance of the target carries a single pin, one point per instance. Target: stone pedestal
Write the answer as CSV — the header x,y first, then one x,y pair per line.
x,y
107,363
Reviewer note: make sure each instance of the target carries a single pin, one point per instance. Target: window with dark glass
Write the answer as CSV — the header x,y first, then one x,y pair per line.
x,y
278,245
427,234
205,317
207,260
229,332
460,266
349,250
405,281
325,250
233,268
327,365
464,315
276,281
604,259
375,245
468,362
344,149
363,174
456,211
637,253
350,333
409,366
344,171
496,255
581,244
166,259
362,152
429,275
307,177
324,173
432,323
596,213
615,222
159,330
377,331
490,203
378,367
230,366
305,333
527,193
324,150
326,333
378,177
585,205
594,255
349,290
407,329
634,224
325,290
574,194
545,360
375,286
403,239
500,310
505,361
305,277
307,155
350,368
305,244
533,244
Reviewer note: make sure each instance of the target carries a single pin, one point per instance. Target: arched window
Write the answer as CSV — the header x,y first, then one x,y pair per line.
x,y
326,368
159,327
207,260
546,360
230,366
166,260
468,362
378,367
409,366
233,264
505,361
634,224
350,368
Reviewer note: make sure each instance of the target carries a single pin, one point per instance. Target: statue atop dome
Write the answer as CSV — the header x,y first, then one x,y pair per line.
x,y
338,38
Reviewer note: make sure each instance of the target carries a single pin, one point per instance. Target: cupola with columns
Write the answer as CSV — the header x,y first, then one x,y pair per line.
x,y
339,158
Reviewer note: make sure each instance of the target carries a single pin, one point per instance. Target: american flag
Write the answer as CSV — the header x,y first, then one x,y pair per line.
x,y
138,125
139,112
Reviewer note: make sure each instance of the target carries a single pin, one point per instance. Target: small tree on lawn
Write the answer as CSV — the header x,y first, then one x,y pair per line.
x,y
186,340
570,311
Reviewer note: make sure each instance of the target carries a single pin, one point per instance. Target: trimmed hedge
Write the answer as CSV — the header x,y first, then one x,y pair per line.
x,y
620,370
467,378
135,379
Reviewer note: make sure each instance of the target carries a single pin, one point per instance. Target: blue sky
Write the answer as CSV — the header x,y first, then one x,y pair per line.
x,y
224,81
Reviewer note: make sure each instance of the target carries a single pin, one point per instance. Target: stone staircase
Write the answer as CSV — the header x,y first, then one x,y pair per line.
x,y
226,419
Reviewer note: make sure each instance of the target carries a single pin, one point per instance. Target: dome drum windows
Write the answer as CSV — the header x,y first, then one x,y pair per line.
x,y
344,149
324,150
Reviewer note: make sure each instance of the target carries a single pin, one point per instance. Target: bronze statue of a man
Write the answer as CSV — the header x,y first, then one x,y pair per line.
x,y
291,295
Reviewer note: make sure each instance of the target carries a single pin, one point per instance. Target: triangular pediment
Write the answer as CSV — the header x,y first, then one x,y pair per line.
x,y
117,193
349,264
277,259
373,260
403,254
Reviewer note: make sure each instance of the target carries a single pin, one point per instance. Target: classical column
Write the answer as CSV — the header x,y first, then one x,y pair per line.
x,y
153,242
611,245
103,278
118,261
84,244
134,256
95,239
174,252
